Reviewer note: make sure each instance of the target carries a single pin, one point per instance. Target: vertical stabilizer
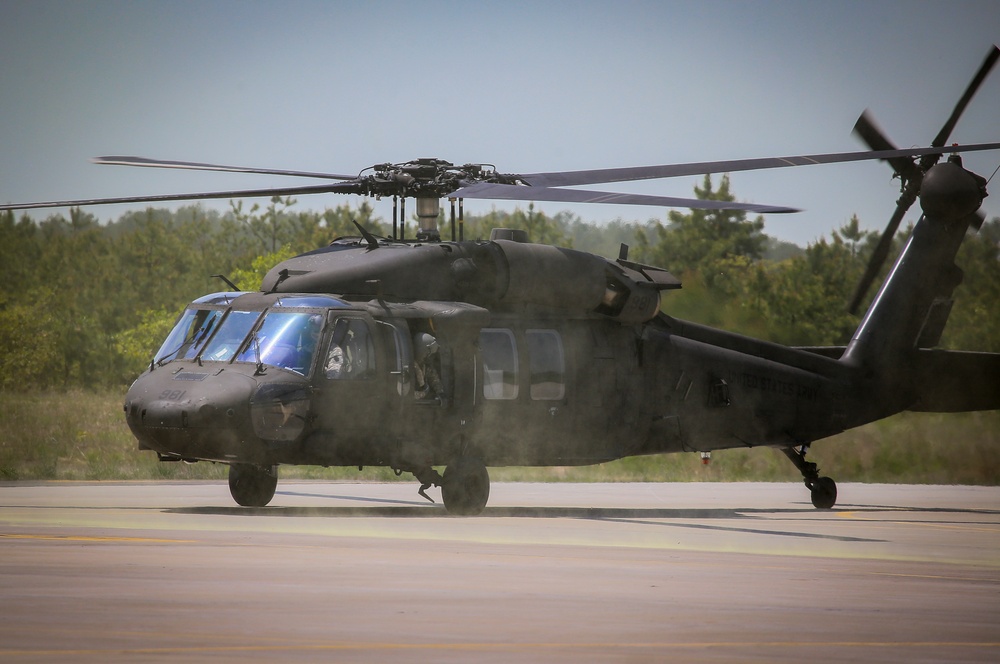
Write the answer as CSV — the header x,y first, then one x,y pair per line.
x,y
912,306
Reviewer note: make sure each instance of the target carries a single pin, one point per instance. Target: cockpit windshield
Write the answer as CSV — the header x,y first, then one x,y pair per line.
x,y
229,338
285,339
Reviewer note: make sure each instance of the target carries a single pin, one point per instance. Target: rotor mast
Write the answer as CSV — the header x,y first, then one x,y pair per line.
x,y
428,210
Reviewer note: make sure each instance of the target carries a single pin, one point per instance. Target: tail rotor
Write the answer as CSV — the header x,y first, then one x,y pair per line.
x,y
911,173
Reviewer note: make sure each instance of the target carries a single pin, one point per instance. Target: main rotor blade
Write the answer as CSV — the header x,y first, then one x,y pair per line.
x,y
605,175
510,192
984,70
196,166
333,188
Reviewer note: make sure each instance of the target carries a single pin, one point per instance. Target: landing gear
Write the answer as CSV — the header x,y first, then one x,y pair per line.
x,y
466,487
822,489
824,493
252,486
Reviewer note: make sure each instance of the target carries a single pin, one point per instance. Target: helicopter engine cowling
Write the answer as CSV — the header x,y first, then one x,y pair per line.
x,y
547,276
496,273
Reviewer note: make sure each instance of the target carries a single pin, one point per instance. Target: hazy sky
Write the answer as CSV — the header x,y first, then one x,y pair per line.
x,y
527,86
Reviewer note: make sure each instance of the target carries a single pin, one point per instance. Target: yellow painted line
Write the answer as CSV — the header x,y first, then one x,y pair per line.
x,y
499,646
85,538
943,526
935,576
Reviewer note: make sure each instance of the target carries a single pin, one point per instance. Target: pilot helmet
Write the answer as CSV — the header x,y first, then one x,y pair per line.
x,y
424,345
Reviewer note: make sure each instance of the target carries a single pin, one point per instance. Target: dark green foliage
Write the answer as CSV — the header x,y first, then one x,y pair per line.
x,y
86,305
704,241
975,319
540,227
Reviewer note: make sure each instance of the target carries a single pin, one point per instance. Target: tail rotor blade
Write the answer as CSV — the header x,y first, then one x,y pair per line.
x,y
877,259
984,70
872,135
911,173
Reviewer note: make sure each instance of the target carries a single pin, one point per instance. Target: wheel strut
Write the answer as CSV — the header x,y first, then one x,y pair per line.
x,y
823,490
427,477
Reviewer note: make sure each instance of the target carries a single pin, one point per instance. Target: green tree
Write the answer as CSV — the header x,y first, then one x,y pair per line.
x,y
31,348
249,279
704,241
136,345
541,228
273,228
974,323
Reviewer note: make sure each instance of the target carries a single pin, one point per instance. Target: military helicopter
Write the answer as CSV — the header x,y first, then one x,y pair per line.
x,y
418,353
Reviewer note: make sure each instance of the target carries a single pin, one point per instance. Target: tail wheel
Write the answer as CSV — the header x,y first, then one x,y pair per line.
x,y
252,486
466,487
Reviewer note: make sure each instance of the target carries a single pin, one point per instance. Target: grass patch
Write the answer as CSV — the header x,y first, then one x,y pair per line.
x,y
79,435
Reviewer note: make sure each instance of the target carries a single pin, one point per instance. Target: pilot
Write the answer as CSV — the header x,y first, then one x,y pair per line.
x,y
308,343
334,366
427,367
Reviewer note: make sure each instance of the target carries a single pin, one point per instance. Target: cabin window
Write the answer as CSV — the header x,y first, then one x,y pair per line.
x,y
499,353
398,354
351,353
546,364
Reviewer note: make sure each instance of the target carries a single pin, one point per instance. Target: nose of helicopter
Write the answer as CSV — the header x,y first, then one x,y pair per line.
x,y
192,415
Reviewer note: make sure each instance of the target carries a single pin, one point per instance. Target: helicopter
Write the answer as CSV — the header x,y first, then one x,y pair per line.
x,y
428,352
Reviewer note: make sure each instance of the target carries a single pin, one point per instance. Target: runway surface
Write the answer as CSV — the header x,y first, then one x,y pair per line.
x,y
370,572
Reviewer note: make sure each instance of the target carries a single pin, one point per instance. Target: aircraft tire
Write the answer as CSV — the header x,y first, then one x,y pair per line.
x,y
466,487
824,493
252,486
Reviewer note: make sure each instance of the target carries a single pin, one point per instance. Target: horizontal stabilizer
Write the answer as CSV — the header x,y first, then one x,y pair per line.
x,y
948,381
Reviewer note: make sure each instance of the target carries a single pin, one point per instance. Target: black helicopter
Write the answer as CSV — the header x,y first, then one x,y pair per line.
x,y
417,353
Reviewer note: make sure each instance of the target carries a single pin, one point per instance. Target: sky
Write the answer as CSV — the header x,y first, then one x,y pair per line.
x,y
527,86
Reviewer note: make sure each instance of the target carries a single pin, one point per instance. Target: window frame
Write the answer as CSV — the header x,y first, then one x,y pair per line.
x,y
545,390
504,389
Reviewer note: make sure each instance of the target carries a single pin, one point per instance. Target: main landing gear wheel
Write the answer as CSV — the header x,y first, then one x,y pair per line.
x,y
823,490
466,487
824,493
252,486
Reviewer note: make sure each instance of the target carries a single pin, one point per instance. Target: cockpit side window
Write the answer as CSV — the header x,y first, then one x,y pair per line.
x,y
189,335
351,353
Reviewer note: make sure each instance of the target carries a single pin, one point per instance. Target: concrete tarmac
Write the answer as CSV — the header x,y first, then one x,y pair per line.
x,y
367,572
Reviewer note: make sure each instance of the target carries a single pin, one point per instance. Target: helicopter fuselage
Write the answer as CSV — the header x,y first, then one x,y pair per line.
x,y
499,353
514,388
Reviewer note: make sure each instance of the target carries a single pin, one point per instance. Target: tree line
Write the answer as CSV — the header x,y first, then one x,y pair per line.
x,y
87,304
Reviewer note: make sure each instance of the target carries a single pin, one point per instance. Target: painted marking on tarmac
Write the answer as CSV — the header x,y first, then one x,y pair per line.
x,y
92,538
967,527
498,647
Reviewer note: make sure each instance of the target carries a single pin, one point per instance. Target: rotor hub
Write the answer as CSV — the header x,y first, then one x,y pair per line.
x,y
427,178
950,192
